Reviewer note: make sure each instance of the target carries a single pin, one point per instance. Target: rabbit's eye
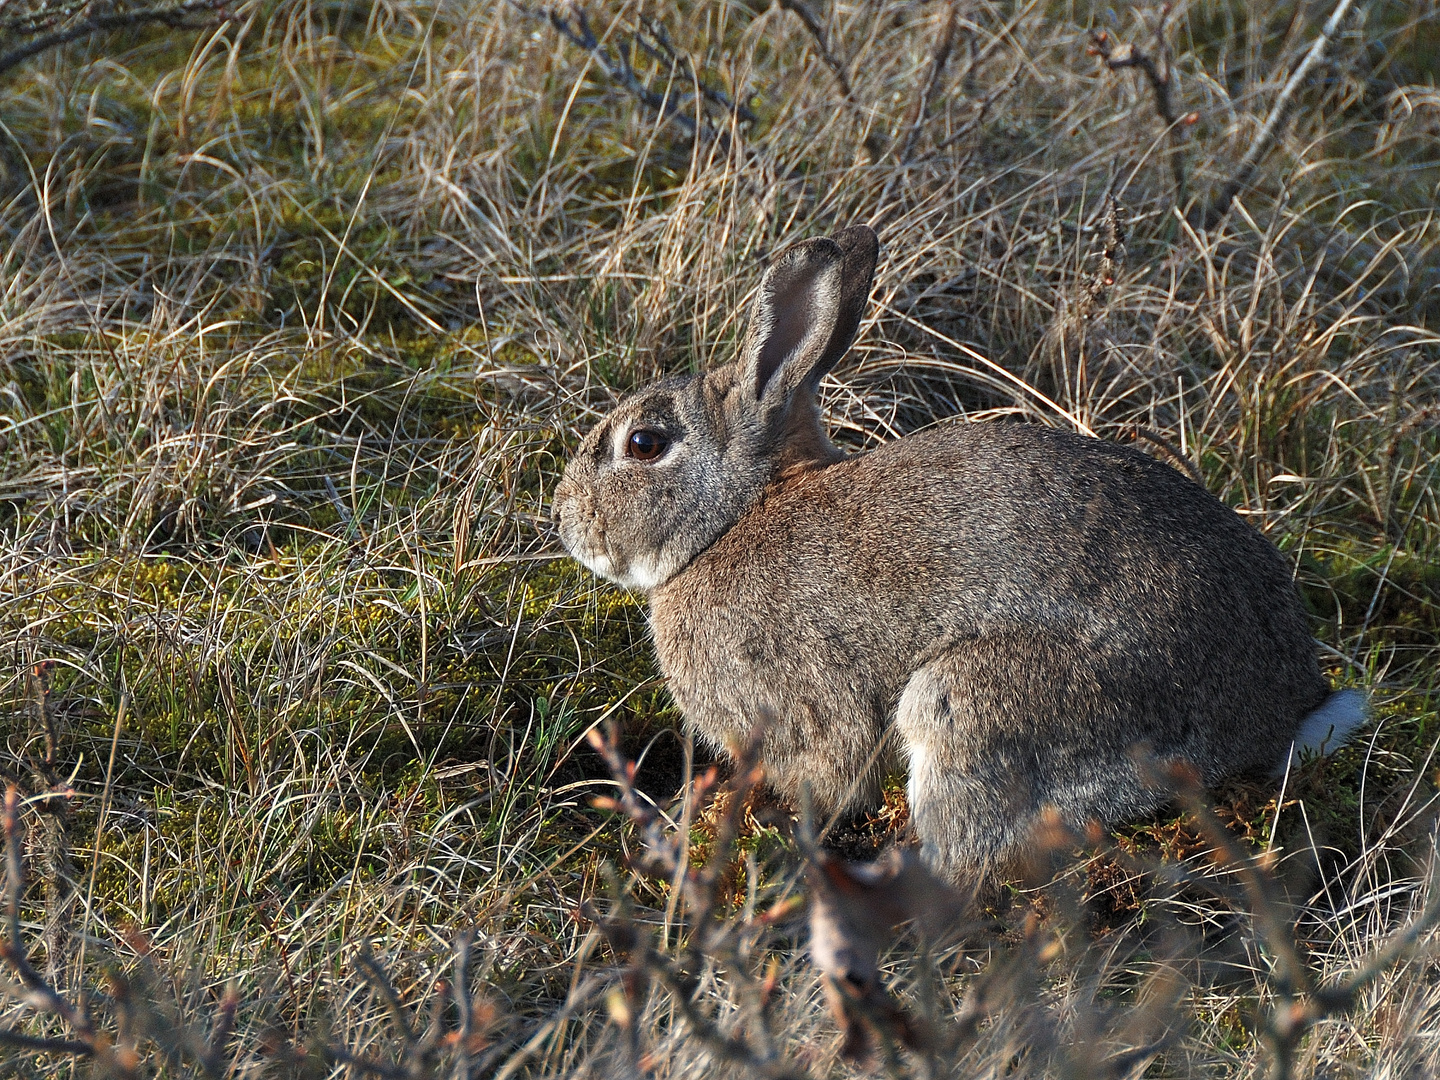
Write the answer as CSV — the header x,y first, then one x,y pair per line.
x,y
646,445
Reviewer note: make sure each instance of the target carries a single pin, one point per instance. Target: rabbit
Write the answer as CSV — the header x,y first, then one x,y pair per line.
x,y
1024,605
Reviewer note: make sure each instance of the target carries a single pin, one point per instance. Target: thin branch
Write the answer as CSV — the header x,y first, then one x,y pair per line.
x,y
576,30
1260,146
464,1003
1120,54
1154,437
21,1041
1160,75
365,1066
656,43
37,993
212,1058
375,975
177,18
53,804
802,11
662,857
1272,922
1112,258
1300,1005
1341,998
938,62
14,867
1125,1064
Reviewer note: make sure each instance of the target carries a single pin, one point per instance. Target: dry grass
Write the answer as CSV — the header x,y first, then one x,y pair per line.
x,y
300,315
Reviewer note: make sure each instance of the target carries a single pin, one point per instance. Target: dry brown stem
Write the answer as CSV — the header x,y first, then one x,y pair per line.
x,y
57,872
1298,1003
856,909
713,938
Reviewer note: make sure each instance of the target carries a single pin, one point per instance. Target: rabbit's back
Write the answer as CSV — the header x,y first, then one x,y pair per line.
x,y
1169,620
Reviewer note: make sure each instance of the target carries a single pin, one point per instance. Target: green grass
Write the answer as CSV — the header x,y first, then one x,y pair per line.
x,y
301,315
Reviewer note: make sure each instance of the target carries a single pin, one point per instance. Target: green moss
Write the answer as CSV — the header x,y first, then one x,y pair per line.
x,y
1391,591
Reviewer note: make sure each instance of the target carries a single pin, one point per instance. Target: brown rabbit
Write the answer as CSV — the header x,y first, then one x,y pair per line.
x,y
1024,604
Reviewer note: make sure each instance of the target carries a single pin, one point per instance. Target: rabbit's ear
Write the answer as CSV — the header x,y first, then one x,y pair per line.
x,y
861,247
793,319
806,314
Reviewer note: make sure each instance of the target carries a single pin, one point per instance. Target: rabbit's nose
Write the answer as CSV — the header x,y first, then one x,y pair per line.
x,y
563,493
564,498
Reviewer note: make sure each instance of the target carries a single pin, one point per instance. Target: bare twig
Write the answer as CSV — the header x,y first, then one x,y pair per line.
x,y
1299,1004
664,856
1159,74
812,24
14,868
1272,921
1156,69
1260,145
53,804
1079,320
21,1041
573,24
179,17
1112,259
375,975
656,43
939,60
1156,439
35,991
213,1058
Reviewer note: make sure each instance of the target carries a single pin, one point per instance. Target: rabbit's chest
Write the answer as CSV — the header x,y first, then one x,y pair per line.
x,y
734,657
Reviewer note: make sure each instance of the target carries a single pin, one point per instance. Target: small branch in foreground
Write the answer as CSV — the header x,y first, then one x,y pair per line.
x,y
1299,1005
1121,54
52,801
34,990
21,1041
1260,146
145,1026
715,939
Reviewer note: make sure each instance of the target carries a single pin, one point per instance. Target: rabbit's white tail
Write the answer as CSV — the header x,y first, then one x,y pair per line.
x,y
1328,727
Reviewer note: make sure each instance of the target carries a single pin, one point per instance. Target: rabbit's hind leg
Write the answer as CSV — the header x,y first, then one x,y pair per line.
x,y
976,786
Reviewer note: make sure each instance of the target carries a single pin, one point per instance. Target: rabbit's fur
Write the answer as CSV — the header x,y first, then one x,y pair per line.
x,y
1026,605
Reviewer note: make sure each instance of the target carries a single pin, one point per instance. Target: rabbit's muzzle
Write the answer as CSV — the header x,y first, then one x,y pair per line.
x,y
577,517
582,528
